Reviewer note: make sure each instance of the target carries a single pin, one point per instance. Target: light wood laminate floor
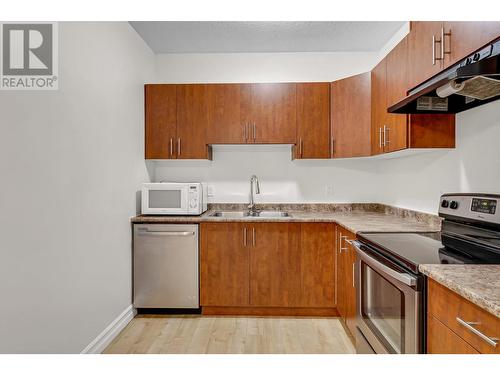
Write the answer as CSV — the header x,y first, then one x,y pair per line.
x,y
231,335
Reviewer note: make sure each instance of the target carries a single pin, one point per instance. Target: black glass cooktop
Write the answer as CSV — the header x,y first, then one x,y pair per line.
x,y
412,249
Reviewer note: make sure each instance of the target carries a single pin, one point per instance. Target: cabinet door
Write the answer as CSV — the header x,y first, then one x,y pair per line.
x,y
442,340
274,107
350,114
313,121
192,122
420,54
274,264
317,264
350,287
466,37
160,121
224,265
396,88
341,252
378,107
225,123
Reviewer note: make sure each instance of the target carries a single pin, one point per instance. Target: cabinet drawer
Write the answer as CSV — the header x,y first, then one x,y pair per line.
x,y
442,340
455,312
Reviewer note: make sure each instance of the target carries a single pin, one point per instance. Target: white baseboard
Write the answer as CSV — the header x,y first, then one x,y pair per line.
x,y
100,343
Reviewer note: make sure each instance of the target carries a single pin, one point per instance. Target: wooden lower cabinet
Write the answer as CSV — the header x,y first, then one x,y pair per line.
x,y
442,340
274,264
224,264
458,326
268,266
346,290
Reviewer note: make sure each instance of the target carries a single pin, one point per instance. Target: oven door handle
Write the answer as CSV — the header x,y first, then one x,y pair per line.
x,y
376,265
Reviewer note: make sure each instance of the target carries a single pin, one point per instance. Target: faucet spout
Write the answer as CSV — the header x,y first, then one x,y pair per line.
x,y
253,180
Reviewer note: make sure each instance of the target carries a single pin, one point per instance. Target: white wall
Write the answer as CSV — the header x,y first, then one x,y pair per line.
x,y
71,162
281,179
261,67
474,166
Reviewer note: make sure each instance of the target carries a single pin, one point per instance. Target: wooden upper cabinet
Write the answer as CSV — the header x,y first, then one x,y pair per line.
x,y
225,110
224,264
378,106
453,41
192,122
350,116
273,116
421,63
396,88
274,264
466,37
317,266
160,121
313,121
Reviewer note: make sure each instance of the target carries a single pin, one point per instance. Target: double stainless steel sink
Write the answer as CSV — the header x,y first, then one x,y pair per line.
x,y
239,214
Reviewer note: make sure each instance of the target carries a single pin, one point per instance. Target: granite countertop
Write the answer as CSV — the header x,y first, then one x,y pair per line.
x,y
353,217
479,284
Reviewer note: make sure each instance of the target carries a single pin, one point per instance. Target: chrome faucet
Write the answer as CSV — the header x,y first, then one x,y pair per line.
x,y
253,179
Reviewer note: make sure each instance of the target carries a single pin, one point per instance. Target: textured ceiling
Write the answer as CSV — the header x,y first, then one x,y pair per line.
x,y
226,37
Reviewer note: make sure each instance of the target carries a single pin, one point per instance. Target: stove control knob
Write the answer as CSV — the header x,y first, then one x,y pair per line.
x,y
445,203
476,57
453,205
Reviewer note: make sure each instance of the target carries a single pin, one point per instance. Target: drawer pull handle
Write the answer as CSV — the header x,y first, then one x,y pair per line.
x,y
469,325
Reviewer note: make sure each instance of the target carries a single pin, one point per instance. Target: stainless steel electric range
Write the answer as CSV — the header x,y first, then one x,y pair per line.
x,y
391,292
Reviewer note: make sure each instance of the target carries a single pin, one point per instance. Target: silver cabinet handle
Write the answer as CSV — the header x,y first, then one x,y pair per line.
x,y
253,236
254,132
443,35
376,265
171,146
433,50
245,237
245,132
353,277
331,147
386,135
300,147
178,147
380,137
340,239
469,325
160,233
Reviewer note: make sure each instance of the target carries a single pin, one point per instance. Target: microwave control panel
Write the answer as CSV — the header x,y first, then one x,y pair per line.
x,y
193,198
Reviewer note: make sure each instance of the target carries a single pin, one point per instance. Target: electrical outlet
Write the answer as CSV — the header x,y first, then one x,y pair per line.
x,y
329,190
210,190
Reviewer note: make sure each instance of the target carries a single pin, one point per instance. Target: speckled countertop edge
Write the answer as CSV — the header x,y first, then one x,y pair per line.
x,y
355,217
480,284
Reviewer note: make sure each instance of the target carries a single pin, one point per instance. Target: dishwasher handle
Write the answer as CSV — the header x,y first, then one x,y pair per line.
x,y
164,233
375,264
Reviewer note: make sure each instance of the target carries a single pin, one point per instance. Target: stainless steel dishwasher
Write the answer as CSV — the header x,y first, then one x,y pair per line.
x,y
166,266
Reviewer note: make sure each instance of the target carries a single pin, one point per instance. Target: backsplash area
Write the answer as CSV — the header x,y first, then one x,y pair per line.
x,y
281,179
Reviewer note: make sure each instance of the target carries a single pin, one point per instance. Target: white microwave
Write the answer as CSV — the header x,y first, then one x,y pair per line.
x,y
172,198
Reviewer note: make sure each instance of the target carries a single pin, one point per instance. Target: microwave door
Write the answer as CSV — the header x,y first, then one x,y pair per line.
x,y
168,200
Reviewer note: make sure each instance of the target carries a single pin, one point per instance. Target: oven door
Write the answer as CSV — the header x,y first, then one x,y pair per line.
x,y
165,199
388,303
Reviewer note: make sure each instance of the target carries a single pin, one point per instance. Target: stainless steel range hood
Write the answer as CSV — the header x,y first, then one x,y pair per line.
x,y
469,83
